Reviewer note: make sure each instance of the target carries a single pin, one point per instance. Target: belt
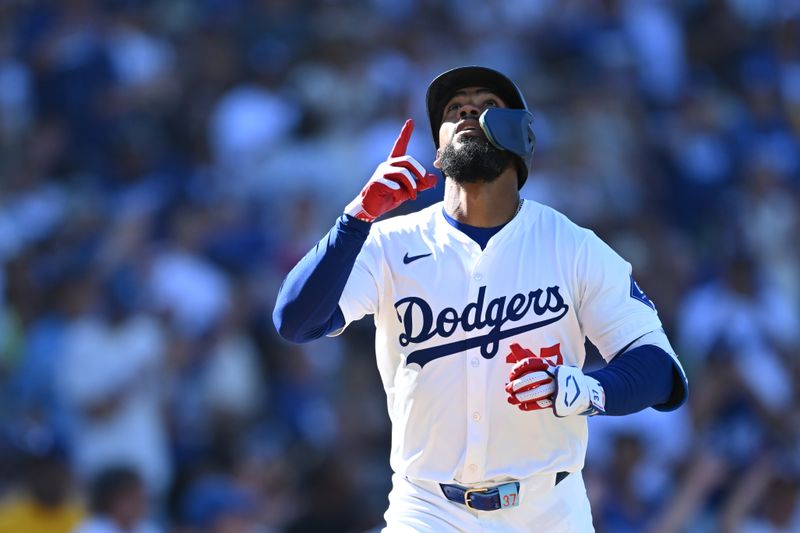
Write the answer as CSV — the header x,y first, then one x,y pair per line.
x,y
488,498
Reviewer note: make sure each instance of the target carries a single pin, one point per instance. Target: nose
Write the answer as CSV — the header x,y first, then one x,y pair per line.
x,y
468,109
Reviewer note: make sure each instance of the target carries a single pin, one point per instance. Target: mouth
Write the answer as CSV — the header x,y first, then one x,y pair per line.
x,y
468,124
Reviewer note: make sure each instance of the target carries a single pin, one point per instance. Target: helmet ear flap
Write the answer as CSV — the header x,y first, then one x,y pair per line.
x,y
512,130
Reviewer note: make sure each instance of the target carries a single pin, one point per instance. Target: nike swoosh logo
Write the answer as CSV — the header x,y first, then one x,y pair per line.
x,y
411,259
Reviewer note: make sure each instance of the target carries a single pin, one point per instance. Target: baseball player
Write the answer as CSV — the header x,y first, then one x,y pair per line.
x,y
482,303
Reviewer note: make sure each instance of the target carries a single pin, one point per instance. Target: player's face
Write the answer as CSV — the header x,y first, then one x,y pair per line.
x,y
465,154
461,112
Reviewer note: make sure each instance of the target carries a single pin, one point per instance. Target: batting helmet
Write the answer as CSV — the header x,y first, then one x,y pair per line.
x,y
507,128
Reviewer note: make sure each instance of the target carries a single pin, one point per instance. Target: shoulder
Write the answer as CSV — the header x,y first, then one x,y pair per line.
x,y
420,221
556,223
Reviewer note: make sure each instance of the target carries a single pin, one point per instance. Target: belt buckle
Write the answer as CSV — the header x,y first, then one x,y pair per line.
x,y
468,501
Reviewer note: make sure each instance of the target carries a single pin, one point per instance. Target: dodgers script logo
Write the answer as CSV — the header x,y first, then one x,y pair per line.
x,y
419,323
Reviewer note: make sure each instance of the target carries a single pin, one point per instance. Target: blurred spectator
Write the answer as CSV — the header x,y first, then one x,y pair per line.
x,y
658,43
765,500
769,222
191,290
47,502
755,324
110,381
331,507
247,126
118,504
233,387
627,511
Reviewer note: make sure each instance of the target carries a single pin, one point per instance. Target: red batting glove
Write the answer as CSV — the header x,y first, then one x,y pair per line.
x,y
531,384
396,180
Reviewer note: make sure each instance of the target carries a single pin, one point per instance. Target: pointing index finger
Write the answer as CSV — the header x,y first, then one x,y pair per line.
x,y
401,144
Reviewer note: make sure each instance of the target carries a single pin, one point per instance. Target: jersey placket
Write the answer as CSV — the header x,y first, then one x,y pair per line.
x,y
476,370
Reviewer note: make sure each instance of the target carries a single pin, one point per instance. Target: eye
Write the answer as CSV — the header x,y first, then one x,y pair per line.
x,y
490,103
453,107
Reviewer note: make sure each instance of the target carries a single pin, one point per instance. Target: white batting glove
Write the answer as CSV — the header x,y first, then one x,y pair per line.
x,y
576,393
396,180
537,383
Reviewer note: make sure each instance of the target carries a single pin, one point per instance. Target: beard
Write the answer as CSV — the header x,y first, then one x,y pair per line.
x,y
476,160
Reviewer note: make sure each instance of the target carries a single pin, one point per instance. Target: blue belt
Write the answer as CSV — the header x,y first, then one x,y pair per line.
x,y
483,499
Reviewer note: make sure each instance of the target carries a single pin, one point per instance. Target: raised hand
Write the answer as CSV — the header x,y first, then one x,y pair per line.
x,y
396,180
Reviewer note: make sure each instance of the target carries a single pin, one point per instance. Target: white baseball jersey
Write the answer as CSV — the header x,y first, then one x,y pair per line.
x,y
446,313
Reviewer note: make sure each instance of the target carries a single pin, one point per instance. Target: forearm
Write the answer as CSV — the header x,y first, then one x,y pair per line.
x,y
307,303
639,378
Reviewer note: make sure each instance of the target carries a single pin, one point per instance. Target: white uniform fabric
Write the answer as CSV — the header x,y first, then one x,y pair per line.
x,y
446,313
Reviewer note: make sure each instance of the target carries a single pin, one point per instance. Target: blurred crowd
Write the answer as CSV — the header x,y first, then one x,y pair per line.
x,y
164,163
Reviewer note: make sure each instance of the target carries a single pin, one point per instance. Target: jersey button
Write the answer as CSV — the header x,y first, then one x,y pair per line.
x,y
475,363
473,467
476,416
477,276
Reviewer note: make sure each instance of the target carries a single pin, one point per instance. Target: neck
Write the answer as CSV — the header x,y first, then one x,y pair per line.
x,y
485,205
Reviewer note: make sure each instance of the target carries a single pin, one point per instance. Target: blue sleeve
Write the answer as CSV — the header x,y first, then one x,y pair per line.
x,y
307,306
642,377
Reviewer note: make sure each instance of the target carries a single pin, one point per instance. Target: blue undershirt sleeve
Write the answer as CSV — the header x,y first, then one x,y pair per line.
x,y
307,306
637,379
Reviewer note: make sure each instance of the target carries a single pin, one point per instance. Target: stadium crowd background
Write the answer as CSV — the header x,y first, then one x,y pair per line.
x,y
164,163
